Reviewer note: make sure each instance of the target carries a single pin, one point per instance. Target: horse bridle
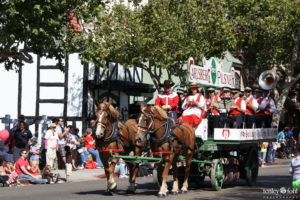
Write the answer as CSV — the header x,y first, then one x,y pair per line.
x,y
150,128
105,125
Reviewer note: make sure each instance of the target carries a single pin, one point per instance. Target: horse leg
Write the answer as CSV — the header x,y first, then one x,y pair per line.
x,y
163,192
175,189
111,184
185,185
132,185
109,171
133,174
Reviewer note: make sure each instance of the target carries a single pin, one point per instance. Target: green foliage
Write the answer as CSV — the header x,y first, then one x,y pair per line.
x,y
267,31
160,34
41,27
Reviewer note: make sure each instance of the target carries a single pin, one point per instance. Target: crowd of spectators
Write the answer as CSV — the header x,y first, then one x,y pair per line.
x,y
283,148
21,157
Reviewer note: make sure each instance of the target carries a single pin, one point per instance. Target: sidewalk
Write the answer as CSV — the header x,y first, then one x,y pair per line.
x,y
83,175
280,162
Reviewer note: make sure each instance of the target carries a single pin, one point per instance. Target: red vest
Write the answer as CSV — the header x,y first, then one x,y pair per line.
x,y
234,111
261,112
203,114
249,110
208,104
267,109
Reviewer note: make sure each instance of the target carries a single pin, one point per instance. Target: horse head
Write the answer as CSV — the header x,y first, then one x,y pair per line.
x,y
144,123
106,115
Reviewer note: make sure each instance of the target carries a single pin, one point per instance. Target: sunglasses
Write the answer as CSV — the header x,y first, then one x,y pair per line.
x,y
24,152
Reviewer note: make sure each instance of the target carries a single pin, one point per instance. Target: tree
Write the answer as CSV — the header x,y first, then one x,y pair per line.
x,y
160,35
42,27
268,35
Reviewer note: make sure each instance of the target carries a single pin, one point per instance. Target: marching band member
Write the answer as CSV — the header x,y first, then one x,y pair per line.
x,y
226,95
259,114
213,113
168,99
269,107
193,106
251,107
236,113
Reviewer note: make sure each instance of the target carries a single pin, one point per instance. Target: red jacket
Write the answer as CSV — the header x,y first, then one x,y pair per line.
x,y
170,99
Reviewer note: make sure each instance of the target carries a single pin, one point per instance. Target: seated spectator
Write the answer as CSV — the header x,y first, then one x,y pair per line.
x,y
23,170
83,154
3,179
34,169
91,148
51,178
9,170
34,150
121,169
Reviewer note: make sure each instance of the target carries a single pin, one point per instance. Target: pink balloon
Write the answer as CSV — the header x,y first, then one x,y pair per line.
x,y
4,135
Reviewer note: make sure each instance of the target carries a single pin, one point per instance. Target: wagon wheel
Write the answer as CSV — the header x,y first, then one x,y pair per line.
x,y
156,179
251,167
217,174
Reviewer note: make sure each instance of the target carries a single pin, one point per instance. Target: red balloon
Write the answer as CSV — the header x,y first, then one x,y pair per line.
x,y
4,135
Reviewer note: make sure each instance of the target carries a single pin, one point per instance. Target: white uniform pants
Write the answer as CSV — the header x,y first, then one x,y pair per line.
x,y
50,156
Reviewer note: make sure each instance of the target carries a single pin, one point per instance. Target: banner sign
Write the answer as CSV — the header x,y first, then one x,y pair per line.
x,y
245,134
211,74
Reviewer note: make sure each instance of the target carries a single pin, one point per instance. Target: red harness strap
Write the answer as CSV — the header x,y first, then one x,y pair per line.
x,y
113,150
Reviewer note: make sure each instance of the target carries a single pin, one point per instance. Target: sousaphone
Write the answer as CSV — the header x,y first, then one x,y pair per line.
x,y
267,80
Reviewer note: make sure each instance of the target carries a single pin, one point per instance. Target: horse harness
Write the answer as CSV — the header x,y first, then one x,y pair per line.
x,y
114,132
168,135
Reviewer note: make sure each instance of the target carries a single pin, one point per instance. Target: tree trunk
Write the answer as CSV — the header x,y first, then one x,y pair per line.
x,y
288,81
280,103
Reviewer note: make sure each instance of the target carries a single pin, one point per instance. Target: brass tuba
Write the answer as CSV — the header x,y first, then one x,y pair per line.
x,y
267,80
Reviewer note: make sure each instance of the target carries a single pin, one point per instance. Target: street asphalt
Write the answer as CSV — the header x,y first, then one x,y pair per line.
x,y
274,182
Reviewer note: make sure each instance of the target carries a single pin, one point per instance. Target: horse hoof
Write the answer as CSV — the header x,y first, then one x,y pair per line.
x,y
113,189
174,193
183,191
162,195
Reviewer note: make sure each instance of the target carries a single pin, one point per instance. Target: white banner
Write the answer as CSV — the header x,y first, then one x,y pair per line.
x,y
201,130
211,74
245,134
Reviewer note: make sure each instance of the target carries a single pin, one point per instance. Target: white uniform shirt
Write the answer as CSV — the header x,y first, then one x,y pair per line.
x,y
52,138
195,110
264,104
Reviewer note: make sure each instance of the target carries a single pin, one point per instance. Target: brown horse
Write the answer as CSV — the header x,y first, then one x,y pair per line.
x,y
169,138
111,135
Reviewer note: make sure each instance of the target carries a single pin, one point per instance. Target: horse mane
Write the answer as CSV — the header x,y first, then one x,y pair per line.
x,y
114,113
161,112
